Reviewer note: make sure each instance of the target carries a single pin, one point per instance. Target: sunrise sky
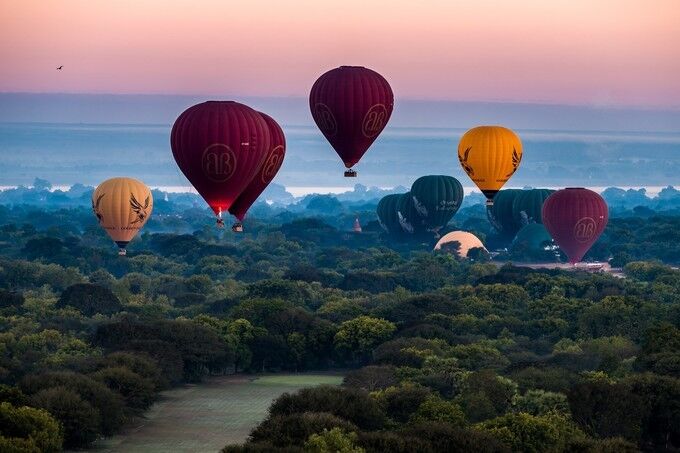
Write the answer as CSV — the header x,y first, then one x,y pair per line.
x,y
601,52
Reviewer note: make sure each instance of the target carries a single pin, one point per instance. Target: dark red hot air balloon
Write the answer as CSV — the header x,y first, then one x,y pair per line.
x,y
269,169
220,146
575,218
351,106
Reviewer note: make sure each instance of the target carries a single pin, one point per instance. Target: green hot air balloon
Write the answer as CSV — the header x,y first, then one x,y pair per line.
x,y
436,198
387,213
527,205
532,236
500,214
407,215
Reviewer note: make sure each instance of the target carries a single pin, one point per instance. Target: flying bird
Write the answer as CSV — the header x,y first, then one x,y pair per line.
x,y
60,68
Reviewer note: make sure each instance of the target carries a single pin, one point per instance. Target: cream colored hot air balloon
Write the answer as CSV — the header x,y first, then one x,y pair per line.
x,y
122,206
490,155
466,240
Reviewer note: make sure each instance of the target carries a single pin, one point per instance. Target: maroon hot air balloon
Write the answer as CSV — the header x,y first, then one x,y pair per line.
x,y
220,146
351,106
269,169
575,218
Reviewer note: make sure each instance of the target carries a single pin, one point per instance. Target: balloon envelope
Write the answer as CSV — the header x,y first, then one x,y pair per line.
x,y
436,198
272,163
466,241
532,236
387,213
220,146
408,216
490,155
122,207
500,214
351,106
575,218
527,206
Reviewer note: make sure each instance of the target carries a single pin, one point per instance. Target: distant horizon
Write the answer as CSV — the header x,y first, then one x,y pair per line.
x,y
162,109
230,96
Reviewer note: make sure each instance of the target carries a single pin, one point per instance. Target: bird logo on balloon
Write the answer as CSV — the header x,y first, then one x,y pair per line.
x,y
95,208
464,162
139,209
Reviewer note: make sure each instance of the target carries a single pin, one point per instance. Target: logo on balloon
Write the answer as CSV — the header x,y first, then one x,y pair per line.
x,y
272,165
96,209
325,119
374,121
218,162
139,209
584,230
516,159
464,161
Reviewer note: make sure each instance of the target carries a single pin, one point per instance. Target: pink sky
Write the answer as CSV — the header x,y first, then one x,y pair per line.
x,y
603,52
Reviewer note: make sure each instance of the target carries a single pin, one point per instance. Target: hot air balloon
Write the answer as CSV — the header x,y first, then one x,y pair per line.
x,y
351,106
407,215
575,218
272,163
490,155
387,213
122,207
466,242
436,198
528,205
220,146
500,214
533,236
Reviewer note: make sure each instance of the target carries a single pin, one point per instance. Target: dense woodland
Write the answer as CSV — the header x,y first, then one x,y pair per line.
x,y
440,354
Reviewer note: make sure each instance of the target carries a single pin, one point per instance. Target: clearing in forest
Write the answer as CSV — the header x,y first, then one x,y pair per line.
x,y
208,416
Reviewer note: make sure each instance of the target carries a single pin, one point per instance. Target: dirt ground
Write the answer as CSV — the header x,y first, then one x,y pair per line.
x,y
208,416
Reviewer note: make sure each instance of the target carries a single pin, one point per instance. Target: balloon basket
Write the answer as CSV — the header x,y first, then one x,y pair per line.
x,y
122,252
220,223
350,173
237,227
489,203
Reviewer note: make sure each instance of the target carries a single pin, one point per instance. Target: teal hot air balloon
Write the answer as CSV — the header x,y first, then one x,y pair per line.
x,y
387,213
501,215
407,215
533,237
436,198
527,205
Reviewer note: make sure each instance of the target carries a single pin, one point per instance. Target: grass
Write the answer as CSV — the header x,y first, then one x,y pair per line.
x,y
208,416
299,380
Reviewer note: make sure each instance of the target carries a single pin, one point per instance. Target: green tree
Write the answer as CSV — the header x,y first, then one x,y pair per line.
x,y
334,440
532,434
90,299
401,401
436,409
295,428
29,428
540,402
79,419
137,391
358,337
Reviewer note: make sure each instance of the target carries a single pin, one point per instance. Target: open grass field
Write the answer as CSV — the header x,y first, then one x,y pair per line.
x,y
208,416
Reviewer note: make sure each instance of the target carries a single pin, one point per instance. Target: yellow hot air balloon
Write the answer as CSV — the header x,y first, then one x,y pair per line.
x,y
490,155
466,241
122,206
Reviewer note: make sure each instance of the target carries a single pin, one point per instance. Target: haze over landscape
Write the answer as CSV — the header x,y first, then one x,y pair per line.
x,y
455,226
